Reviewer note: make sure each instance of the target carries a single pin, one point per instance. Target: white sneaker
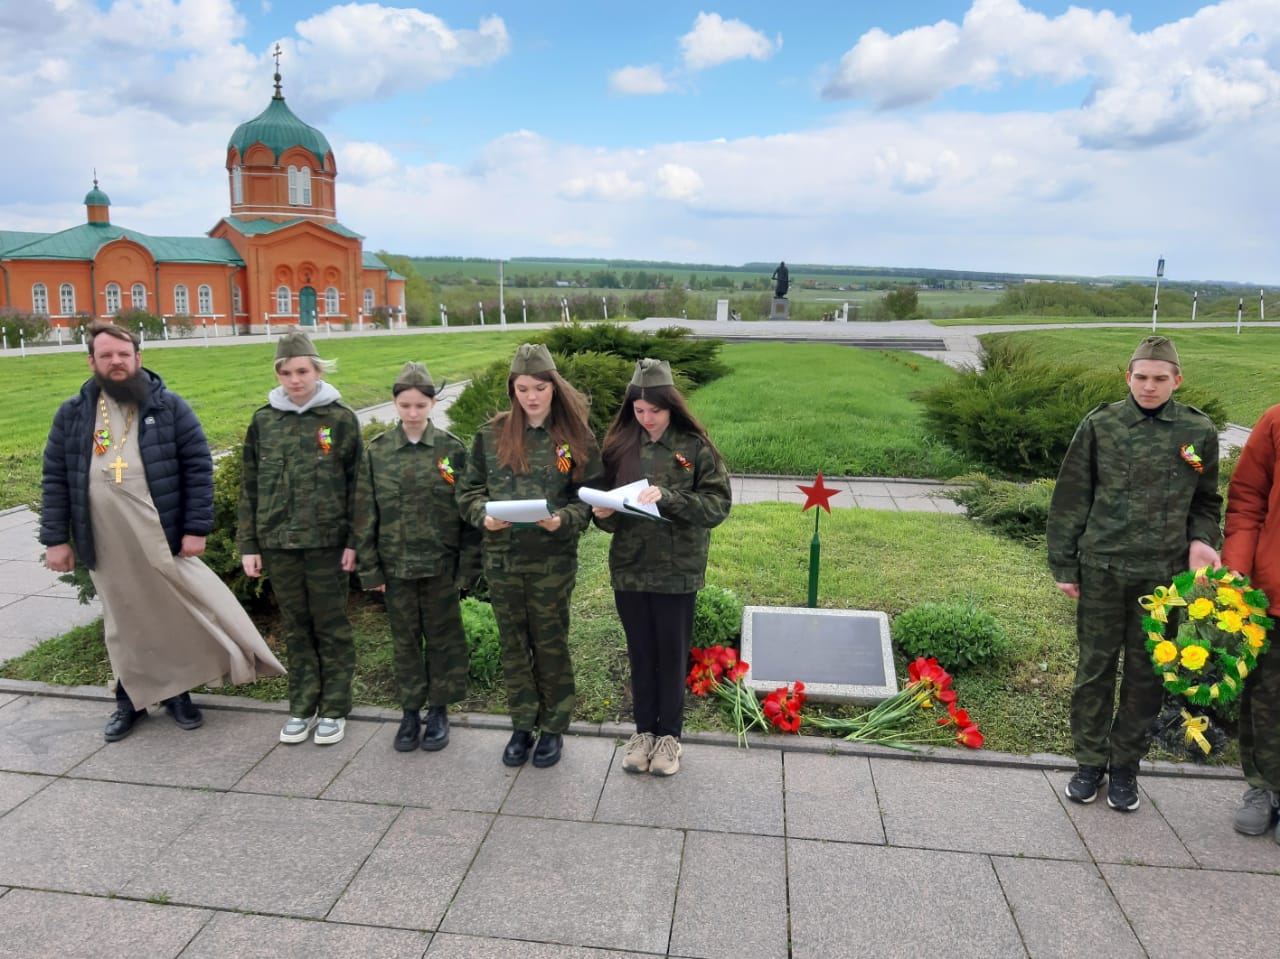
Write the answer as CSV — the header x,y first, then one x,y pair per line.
x,y
297,729
330,731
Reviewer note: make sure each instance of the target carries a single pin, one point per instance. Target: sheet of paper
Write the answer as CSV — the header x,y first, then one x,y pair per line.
x,y
622,499
518,510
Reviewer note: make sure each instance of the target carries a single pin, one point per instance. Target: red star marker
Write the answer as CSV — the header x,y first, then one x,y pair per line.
x,y
817,495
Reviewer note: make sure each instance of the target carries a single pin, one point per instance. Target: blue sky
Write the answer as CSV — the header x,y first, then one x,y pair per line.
x,y
1008,135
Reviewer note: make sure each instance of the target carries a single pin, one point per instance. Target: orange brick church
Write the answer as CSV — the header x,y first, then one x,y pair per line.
x,y
280,258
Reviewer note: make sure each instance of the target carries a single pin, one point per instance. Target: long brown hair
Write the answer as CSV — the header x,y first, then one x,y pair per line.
x,y
566,422
622,441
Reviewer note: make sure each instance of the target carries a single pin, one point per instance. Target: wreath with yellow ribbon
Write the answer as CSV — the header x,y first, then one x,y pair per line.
x,y
1222,634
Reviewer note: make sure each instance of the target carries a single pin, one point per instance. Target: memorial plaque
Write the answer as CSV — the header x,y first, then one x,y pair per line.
x,y
781,309
841,655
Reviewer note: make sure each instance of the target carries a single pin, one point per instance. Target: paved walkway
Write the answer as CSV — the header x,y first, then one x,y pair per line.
x,y
223,842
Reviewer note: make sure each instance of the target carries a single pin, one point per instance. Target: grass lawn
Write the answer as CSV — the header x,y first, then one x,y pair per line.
x,y
761,553
799,408
224,384
1241,369
1201,317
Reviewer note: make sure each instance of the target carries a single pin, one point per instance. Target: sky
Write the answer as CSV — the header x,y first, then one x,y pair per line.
x,y
1024,136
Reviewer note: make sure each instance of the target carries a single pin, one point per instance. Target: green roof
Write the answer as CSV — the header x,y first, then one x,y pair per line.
x,y
84,241
262,227
12,239
278,129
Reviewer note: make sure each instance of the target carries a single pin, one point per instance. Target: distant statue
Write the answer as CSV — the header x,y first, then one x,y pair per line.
x,y
783,279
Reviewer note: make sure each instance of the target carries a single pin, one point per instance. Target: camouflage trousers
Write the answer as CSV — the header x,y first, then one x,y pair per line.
x,y
429,645
1260,725
311,589
532,612
1108,624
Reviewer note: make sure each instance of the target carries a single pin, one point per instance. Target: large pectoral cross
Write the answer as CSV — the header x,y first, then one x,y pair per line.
x,y
119,466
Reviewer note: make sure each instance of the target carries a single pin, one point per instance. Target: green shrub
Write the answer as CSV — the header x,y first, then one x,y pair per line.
x,y
957,634
1017,415
20,327
482,644
1016,510
717,617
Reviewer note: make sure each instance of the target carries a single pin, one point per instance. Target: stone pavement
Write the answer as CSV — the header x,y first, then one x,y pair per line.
x,y
223,842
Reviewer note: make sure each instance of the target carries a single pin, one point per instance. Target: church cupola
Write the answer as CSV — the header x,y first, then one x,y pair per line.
x,y
279,167
96,203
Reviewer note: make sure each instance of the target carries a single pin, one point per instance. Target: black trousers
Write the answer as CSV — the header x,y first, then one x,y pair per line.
x,y
122,697
659,628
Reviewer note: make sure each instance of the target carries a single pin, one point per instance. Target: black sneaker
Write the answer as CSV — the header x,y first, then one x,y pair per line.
x,y
1122,794
1083,787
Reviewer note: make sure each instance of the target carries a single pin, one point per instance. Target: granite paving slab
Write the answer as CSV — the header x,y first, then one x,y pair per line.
x,y
20,517
93,837
267,937
21,543
460,776
36,618
756,865
305,769
1199,913
18,575
1200,813
445,946
868,488
852,901
1141,837
266,854
718,789
5,600
571,788
432,849
46,734
1055,903
874,502
16,788
831,797
596,885
972,808
161,753
34,924
7,698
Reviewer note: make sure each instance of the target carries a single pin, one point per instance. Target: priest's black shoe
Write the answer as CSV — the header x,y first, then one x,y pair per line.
x,y
121,723
407,734
548,751
184,712
518,747
437,732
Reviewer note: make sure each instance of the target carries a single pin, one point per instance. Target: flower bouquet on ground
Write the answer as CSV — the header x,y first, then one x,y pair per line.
x,y
1219,640
1187,736
718,671
897,721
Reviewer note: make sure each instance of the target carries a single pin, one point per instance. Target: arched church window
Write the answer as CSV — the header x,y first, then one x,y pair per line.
x,y
284,300
138,296
113,297
331,300
304,185
181,300
237,185
368,301
67,299
39,298
204,299
293,186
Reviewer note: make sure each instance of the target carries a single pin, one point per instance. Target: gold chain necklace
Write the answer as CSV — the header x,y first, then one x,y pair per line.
x,y
102,439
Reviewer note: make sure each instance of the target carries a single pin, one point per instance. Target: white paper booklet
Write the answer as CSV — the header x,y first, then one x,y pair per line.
x,y
518,510
622,499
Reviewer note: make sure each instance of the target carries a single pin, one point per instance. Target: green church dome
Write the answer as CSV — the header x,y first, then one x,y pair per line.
x,y
96,197
278,129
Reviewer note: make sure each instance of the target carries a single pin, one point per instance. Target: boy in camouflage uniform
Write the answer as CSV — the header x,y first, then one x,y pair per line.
x,y
542,448
1136,502
297,495
409,543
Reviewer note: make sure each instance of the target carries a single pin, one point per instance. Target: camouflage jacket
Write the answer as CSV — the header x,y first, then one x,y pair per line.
x,y
671,557
1130,497
298,486
528,549
407,520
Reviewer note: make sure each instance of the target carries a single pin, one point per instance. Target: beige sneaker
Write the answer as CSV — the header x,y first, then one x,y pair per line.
x,y
635,755
665,759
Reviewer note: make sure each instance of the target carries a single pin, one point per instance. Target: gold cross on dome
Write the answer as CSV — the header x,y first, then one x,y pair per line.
x,y
119,466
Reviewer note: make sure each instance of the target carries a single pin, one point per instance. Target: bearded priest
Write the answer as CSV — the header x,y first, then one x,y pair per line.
x,y
128,485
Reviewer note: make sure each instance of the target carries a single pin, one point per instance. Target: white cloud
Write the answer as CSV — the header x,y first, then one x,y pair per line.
x,y
604,185
638,81
677,182
366,162
714,40
362,51
1175,82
